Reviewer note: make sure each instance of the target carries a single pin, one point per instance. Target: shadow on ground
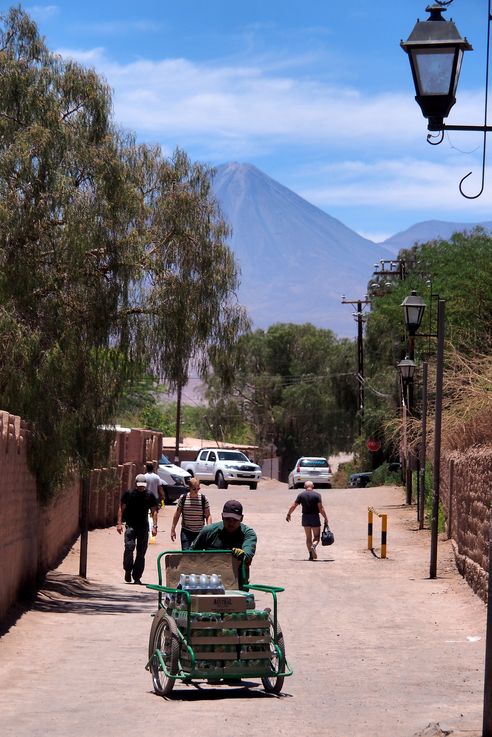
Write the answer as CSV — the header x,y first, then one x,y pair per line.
x,y
65,593
205,692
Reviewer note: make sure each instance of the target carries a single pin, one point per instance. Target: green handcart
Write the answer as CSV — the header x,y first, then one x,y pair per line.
x,y
217,638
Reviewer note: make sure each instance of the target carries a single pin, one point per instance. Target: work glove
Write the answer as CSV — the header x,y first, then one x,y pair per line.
x,y
238,553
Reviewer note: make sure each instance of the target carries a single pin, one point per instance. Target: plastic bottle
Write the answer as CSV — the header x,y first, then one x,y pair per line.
x,y
216,586
204,583
219,586
192,583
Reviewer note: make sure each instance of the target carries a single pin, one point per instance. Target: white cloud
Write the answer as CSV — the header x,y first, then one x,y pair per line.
x,y
364,150
248,103
118,27
42,12
406,184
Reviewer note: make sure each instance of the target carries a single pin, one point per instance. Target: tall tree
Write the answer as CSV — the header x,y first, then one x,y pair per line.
x,y
112,259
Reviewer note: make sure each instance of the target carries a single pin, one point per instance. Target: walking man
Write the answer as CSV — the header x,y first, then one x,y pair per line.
x,y
312,507
155,484
194,509
133,511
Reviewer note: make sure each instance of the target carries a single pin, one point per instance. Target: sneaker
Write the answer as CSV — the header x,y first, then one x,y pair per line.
x,y
312,553
128,577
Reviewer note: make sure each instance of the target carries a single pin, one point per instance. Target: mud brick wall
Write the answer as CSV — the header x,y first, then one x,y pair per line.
x,y
466,484
18,521
142,446
106,487
34,538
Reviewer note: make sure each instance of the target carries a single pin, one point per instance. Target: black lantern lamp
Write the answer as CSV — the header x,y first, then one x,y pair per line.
x,y
407,369
413,308
435,49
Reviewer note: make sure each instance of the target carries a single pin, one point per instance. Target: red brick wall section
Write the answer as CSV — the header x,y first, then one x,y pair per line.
x,y
466,484
142,446
33,539
58,526
19,518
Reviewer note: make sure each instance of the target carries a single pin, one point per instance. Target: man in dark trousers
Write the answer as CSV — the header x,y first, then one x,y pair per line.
x,y
312,508
230,534
133,511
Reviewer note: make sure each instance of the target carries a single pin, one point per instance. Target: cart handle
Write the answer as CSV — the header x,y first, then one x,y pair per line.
x,y
242,569
273,590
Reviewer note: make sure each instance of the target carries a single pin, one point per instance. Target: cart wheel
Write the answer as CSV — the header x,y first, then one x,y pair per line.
x,y
273,684
163,637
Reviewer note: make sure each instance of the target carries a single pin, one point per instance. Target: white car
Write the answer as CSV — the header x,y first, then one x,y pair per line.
x,y
175,480
310,468
223,466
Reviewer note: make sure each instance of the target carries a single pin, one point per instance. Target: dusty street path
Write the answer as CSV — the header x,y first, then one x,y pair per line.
x,y
378,649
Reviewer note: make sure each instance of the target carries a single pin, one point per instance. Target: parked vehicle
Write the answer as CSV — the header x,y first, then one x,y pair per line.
x,y
310,468
223,467
175,480
359,480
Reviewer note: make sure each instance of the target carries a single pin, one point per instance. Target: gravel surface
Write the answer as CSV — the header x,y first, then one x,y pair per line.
x,y
378,649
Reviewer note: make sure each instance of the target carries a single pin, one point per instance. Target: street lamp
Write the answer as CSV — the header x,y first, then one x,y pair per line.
x,y
435,50
407,370
413,310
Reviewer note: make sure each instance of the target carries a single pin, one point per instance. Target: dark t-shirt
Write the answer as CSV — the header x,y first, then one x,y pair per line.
x,y
137,505
309,501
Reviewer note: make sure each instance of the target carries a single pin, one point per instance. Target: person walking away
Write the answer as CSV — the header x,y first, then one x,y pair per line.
x,y
155,485
133,511
194,510
312,508
229,534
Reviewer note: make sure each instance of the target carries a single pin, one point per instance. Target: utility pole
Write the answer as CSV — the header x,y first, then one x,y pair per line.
x,y
359,318
178,424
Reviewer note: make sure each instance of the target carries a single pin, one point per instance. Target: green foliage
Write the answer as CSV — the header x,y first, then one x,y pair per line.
x,y
293,385
112,258
459,271
382,476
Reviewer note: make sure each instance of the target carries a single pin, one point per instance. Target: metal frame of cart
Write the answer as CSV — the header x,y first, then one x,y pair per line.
x,y
217,646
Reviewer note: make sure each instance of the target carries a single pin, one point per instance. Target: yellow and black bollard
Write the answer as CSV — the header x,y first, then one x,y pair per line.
x,y
384,530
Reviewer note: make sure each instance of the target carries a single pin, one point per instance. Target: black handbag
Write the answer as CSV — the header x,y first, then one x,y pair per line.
x,y
327,536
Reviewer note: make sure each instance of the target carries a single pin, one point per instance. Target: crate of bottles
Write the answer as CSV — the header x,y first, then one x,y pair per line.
x,y
226,642
208,595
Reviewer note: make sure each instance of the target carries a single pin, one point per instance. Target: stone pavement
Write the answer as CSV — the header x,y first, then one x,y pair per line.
x,y
378,649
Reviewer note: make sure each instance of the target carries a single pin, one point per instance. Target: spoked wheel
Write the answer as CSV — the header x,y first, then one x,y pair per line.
x,y
163,637
273,684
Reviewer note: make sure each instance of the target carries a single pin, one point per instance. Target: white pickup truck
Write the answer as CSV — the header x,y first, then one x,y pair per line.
x,y
223,467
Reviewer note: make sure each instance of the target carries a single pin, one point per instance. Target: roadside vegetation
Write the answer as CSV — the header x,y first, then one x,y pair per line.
x,y
114,263
458,271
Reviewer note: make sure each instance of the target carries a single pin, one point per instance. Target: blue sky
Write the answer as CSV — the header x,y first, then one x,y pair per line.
x,y
316,93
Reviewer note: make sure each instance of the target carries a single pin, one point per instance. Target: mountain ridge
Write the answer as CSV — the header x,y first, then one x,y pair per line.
x,y
297,260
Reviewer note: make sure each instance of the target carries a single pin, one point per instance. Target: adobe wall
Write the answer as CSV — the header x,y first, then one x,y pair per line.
x,y
466,483
35,538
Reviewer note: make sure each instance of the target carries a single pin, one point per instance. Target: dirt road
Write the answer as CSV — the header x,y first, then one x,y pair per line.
x,y
378,649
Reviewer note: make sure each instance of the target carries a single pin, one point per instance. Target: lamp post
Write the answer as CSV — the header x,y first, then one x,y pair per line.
x,y
435,50
413,312
407,370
